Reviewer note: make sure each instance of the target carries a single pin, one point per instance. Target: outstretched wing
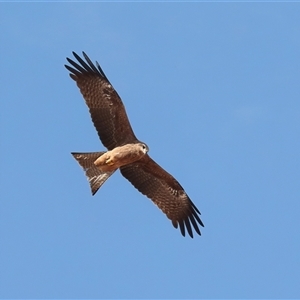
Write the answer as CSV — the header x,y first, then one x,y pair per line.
x,y
165,191
106,107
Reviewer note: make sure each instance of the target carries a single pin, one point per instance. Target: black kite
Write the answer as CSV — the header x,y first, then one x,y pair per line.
x,y
125,151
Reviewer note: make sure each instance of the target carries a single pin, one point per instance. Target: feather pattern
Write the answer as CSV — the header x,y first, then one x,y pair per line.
x,y
95,177
165,191
111,122
106,108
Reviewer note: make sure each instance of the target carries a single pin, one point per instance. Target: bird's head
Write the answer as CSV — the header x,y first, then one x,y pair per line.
x,y
143,148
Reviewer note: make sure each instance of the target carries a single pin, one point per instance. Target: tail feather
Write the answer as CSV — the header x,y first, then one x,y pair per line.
x,y
95,177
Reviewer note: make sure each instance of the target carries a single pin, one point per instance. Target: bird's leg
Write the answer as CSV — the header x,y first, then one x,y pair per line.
x,y
109,160
105,159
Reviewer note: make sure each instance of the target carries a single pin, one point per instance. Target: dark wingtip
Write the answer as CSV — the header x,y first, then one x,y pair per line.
x,y
75,54
189,222
182,229
188,227
185,225
84,67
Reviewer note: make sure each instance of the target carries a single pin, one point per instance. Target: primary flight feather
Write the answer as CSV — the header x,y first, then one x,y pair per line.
x,y
125,151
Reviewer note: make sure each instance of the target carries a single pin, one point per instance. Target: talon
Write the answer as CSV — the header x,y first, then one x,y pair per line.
x,y
109,161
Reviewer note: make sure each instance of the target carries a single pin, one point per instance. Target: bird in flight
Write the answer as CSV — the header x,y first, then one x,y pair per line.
x,y
125,151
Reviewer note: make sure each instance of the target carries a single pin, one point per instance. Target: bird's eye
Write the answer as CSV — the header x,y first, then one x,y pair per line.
x,y
145,148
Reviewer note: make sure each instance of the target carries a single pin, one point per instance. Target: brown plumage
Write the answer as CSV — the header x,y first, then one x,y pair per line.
x,y
125,151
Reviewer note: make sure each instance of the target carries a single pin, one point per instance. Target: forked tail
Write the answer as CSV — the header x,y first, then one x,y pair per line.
x,y
95,177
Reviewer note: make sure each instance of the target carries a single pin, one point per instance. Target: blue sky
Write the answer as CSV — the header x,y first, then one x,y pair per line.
x,y
213,89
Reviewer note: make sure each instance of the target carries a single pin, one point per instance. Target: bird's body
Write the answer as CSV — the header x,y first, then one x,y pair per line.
x,y
125,151
120,156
